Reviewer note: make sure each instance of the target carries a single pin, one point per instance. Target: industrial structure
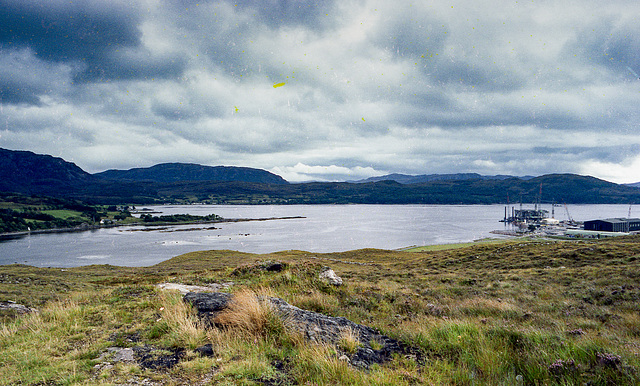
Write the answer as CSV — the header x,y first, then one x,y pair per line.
x,y
525,215
613,225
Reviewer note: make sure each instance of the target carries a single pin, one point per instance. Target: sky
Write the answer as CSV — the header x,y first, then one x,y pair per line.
x,y
326,90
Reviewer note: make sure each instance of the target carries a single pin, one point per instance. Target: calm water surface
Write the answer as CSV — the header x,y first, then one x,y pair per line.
x,y
325,228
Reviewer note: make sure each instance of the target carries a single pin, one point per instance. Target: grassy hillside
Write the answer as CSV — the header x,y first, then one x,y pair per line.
x,y
517,312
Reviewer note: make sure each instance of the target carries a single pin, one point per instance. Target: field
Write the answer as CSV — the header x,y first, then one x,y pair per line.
x,y
511,312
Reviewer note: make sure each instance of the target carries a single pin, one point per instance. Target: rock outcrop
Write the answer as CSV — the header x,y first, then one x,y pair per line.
x,y
18,308
315,327
329,276
184,288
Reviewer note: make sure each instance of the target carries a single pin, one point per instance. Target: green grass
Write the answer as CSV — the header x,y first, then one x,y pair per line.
x,y
442,247
543,312
63,213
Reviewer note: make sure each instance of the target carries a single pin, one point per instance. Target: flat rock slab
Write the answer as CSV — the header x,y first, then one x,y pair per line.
x,y
185,288
208,304
19,308
315,327
145,356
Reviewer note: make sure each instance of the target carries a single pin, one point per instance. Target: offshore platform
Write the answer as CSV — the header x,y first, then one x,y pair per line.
x,y
526,216
535,216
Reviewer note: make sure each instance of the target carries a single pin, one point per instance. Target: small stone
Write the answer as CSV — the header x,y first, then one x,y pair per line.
x,y
329,276
19,308
124,355
361,364
206,350
344,358
273,266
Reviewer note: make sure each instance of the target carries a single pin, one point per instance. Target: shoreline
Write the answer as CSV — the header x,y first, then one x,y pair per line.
x,y
87,227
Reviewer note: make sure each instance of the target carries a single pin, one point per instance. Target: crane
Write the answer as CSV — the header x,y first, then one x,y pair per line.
x,y
568,215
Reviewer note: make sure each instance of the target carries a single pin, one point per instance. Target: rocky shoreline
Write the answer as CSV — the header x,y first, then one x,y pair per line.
x,y
87,227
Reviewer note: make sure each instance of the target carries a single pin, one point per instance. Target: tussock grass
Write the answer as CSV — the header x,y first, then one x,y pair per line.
x,y
184,328
317,365
248,313
349,341
52,343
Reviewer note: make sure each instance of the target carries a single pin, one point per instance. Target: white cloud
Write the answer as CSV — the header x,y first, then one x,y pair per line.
x,y
626,172
301,172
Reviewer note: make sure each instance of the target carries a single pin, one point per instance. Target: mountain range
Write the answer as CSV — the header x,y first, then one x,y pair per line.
x,y
413,179
28,173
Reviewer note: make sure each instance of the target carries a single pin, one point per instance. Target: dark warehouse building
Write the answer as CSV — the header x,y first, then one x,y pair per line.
x,y
613,225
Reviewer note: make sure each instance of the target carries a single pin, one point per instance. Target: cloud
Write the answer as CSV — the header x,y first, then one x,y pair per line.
x,y
627,172
369,86
279,13
612,44
301,172
24,78
98,40
64,31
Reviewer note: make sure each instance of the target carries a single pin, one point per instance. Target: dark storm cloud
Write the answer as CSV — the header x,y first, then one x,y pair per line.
x,y
100,40
131,65
68,31
16,90
470,74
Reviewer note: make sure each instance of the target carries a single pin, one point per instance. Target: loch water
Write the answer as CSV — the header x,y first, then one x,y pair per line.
x,y
323,228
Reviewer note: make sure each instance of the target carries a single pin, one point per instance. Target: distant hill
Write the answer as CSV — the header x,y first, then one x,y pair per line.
x,y
178,172
417,179
559,188
29,173
634,184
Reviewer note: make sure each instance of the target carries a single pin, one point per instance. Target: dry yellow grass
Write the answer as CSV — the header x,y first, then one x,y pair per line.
x,y
247,312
